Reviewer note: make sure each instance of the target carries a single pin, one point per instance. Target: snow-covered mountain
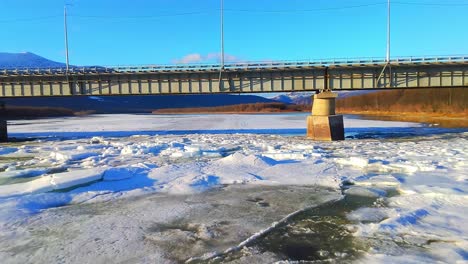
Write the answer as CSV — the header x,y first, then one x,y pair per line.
x,y
299,98
305,98
26,59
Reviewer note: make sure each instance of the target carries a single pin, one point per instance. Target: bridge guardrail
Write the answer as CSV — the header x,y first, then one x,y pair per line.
x,y
232,66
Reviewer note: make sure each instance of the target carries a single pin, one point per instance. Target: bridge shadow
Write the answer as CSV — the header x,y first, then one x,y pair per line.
x,y
350,133
399,132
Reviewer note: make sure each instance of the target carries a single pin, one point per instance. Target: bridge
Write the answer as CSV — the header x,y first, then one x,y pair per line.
x,y
323,76
248,77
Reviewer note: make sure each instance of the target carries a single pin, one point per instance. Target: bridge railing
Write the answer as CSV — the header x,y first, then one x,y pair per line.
x,y
233,66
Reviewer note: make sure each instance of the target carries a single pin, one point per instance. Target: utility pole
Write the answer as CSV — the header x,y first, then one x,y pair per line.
x,y
387,57
66,37
222,46
222,34
388,32
67,70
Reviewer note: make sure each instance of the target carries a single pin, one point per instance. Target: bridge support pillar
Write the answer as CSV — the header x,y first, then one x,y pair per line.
x,y
324,124
3,131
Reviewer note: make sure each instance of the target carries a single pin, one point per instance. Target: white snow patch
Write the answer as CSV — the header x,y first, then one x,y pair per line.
x,y
42,184
32,172
51,182
73,178
71,156
123,172
426,174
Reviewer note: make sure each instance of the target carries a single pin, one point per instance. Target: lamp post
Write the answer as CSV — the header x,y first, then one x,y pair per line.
x,y
220,86
388,32
66,37
222,34
387,57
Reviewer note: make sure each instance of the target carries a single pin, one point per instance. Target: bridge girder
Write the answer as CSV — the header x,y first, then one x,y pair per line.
x,y
285,78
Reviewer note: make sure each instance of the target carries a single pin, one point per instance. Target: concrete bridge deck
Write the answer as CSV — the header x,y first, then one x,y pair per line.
x,y
248,77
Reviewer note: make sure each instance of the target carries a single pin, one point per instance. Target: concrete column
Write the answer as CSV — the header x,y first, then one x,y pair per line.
x,y
323,124
3,131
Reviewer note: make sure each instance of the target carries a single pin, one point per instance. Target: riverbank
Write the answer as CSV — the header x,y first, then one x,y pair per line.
x,y
24,112
237,109
436,106
452,120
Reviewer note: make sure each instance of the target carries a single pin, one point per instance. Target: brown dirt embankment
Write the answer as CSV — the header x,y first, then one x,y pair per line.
x,y
20,112
237,109
447,107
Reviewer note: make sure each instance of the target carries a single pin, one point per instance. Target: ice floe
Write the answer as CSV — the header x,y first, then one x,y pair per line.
x,y
416,175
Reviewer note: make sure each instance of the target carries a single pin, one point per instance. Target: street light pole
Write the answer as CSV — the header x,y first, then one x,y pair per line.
x,y
387,57
220,85
388,32
66,36
222,33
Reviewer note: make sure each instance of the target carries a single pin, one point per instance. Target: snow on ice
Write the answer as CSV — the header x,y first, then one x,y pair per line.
x,y
418,174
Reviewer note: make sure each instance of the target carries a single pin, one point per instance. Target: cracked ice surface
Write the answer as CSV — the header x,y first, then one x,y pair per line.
x,y
135,187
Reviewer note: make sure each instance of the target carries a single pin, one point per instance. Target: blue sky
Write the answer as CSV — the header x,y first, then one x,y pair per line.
x,y
105,32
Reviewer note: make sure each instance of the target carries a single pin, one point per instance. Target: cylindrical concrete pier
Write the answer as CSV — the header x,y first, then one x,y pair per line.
x,y
323,124
324,104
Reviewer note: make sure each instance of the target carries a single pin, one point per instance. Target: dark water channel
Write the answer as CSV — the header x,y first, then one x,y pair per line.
x,y
320,234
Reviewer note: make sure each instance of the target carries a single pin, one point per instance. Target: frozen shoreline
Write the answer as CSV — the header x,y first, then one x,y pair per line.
x,y
158,123
418,175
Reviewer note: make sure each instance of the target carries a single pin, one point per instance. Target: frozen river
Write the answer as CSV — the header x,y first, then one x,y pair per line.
x,y
231,189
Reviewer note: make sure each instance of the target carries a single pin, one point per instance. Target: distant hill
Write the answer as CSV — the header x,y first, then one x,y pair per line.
x,y
447,101
238,108
305,98
134,103
445,107
26,59
299,98
19,112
